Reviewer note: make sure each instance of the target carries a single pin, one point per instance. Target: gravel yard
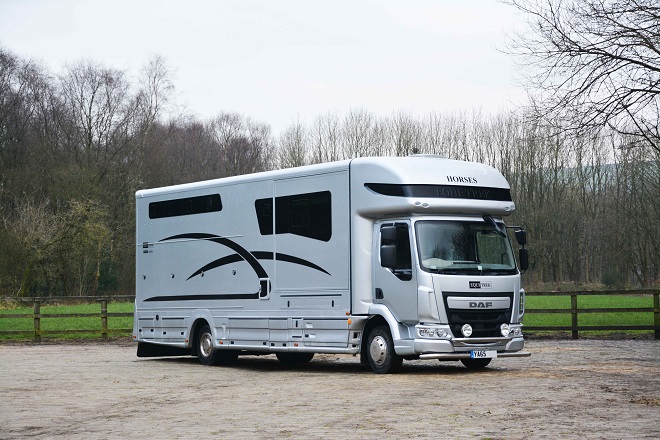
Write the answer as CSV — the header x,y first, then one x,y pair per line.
x,y
567,389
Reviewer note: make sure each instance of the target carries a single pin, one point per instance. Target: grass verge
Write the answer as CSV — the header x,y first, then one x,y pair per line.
x,y
86,327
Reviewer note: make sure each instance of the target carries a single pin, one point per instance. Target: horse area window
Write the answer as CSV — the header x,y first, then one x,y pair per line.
x,y
307,215
185,206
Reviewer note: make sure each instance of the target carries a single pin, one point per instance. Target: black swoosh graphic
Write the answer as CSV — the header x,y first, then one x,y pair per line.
x,y
204,297
261,255
247,256
241,254
235,258
264,283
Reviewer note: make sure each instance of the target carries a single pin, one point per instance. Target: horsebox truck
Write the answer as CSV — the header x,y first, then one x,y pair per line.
x,y
391,258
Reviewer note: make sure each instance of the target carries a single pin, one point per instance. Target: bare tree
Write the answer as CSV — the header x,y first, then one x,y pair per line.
x,y
101,115
593,63
293,146
242,144
155,90
406,133
356,131
326,137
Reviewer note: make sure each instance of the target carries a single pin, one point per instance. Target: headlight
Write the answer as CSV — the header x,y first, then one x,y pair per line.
x,y
514,331
433,332
426,332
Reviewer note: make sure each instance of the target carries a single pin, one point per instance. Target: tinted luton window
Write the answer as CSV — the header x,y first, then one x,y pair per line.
x,y
187,206
264,208
308,215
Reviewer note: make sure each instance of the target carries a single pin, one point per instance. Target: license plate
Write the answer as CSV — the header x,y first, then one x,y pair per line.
x,y
483,354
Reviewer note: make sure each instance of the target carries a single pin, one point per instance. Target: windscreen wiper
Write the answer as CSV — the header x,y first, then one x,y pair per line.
x,y
498,229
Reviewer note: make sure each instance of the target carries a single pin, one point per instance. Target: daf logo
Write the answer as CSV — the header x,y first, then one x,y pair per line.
x,y
480,304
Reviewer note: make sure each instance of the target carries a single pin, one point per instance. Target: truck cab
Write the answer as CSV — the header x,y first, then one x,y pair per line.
x,y
453,287
446,282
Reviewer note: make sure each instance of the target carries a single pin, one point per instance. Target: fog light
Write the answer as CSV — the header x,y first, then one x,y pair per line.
x,y
504,329
466,330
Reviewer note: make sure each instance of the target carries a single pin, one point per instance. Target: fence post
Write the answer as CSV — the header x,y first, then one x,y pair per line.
x,y
574,316
104,319
37,321
656,313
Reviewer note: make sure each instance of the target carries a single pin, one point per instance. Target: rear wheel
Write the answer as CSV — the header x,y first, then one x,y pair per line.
x,y
380,351
205,351
209,355
476,364
294,358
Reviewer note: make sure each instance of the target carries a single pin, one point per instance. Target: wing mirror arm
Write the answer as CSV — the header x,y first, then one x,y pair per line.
x,y
523,254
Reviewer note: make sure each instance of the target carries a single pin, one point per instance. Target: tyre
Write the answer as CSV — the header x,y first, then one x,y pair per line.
x,y
476,364
380,351
205,351
364,356
294,358
208,355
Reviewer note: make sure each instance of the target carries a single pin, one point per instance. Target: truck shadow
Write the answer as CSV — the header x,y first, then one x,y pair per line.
x,y
268,363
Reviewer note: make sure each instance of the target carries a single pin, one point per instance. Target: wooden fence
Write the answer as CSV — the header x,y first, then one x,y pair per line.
x,y
37,316
575,328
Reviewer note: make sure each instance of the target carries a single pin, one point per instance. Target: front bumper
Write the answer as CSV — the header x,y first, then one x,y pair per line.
x,y
459,348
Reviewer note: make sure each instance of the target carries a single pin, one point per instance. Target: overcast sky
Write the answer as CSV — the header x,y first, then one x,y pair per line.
x,y
278,61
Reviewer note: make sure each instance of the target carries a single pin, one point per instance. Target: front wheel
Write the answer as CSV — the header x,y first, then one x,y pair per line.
x,y
380,351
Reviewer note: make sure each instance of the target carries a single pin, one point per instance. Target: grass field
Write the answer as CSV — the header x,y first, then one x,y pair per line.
x,y
589,319
50,326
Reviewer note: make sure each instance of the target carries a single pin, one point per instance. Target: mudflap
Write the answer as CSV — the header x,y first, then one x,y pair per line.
x,y
146,349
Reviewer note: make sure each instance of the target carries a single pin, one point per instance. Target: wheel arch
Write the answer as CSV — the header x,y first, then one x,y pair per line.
x,y
381,311
195,329
374,321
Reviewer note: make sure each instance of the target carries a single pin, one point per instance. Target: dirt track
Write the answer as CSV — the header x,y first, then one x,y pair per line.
x,y
582,389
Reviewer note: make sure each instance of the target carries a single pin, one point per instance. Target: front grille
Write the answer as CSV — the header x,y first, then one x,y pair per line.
x,y
485,323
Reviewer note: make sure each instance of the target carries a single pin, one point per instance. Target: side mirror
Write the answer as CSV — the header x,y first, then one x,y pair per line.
x,y
521,237
388,256
523,258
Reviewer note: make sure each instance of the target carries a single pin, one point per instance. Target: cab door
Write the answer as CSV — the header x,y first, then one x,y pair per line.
x,y
394,278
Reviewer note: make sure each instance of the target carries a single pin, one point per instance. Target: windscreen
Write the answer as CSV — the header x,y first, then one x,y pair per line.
x,y
462,247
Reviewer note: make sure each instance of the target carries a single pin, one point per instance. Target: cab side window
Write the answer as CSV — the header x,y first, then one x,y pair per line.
x,y
396,237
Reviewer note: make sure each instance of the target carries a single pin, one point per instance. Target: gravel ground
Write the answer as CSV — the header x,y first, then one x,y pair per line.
x,y
567,389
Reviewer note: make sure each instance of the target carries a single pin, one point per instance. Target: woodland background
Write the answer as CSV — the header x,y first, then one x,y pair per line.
x,y
76,145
